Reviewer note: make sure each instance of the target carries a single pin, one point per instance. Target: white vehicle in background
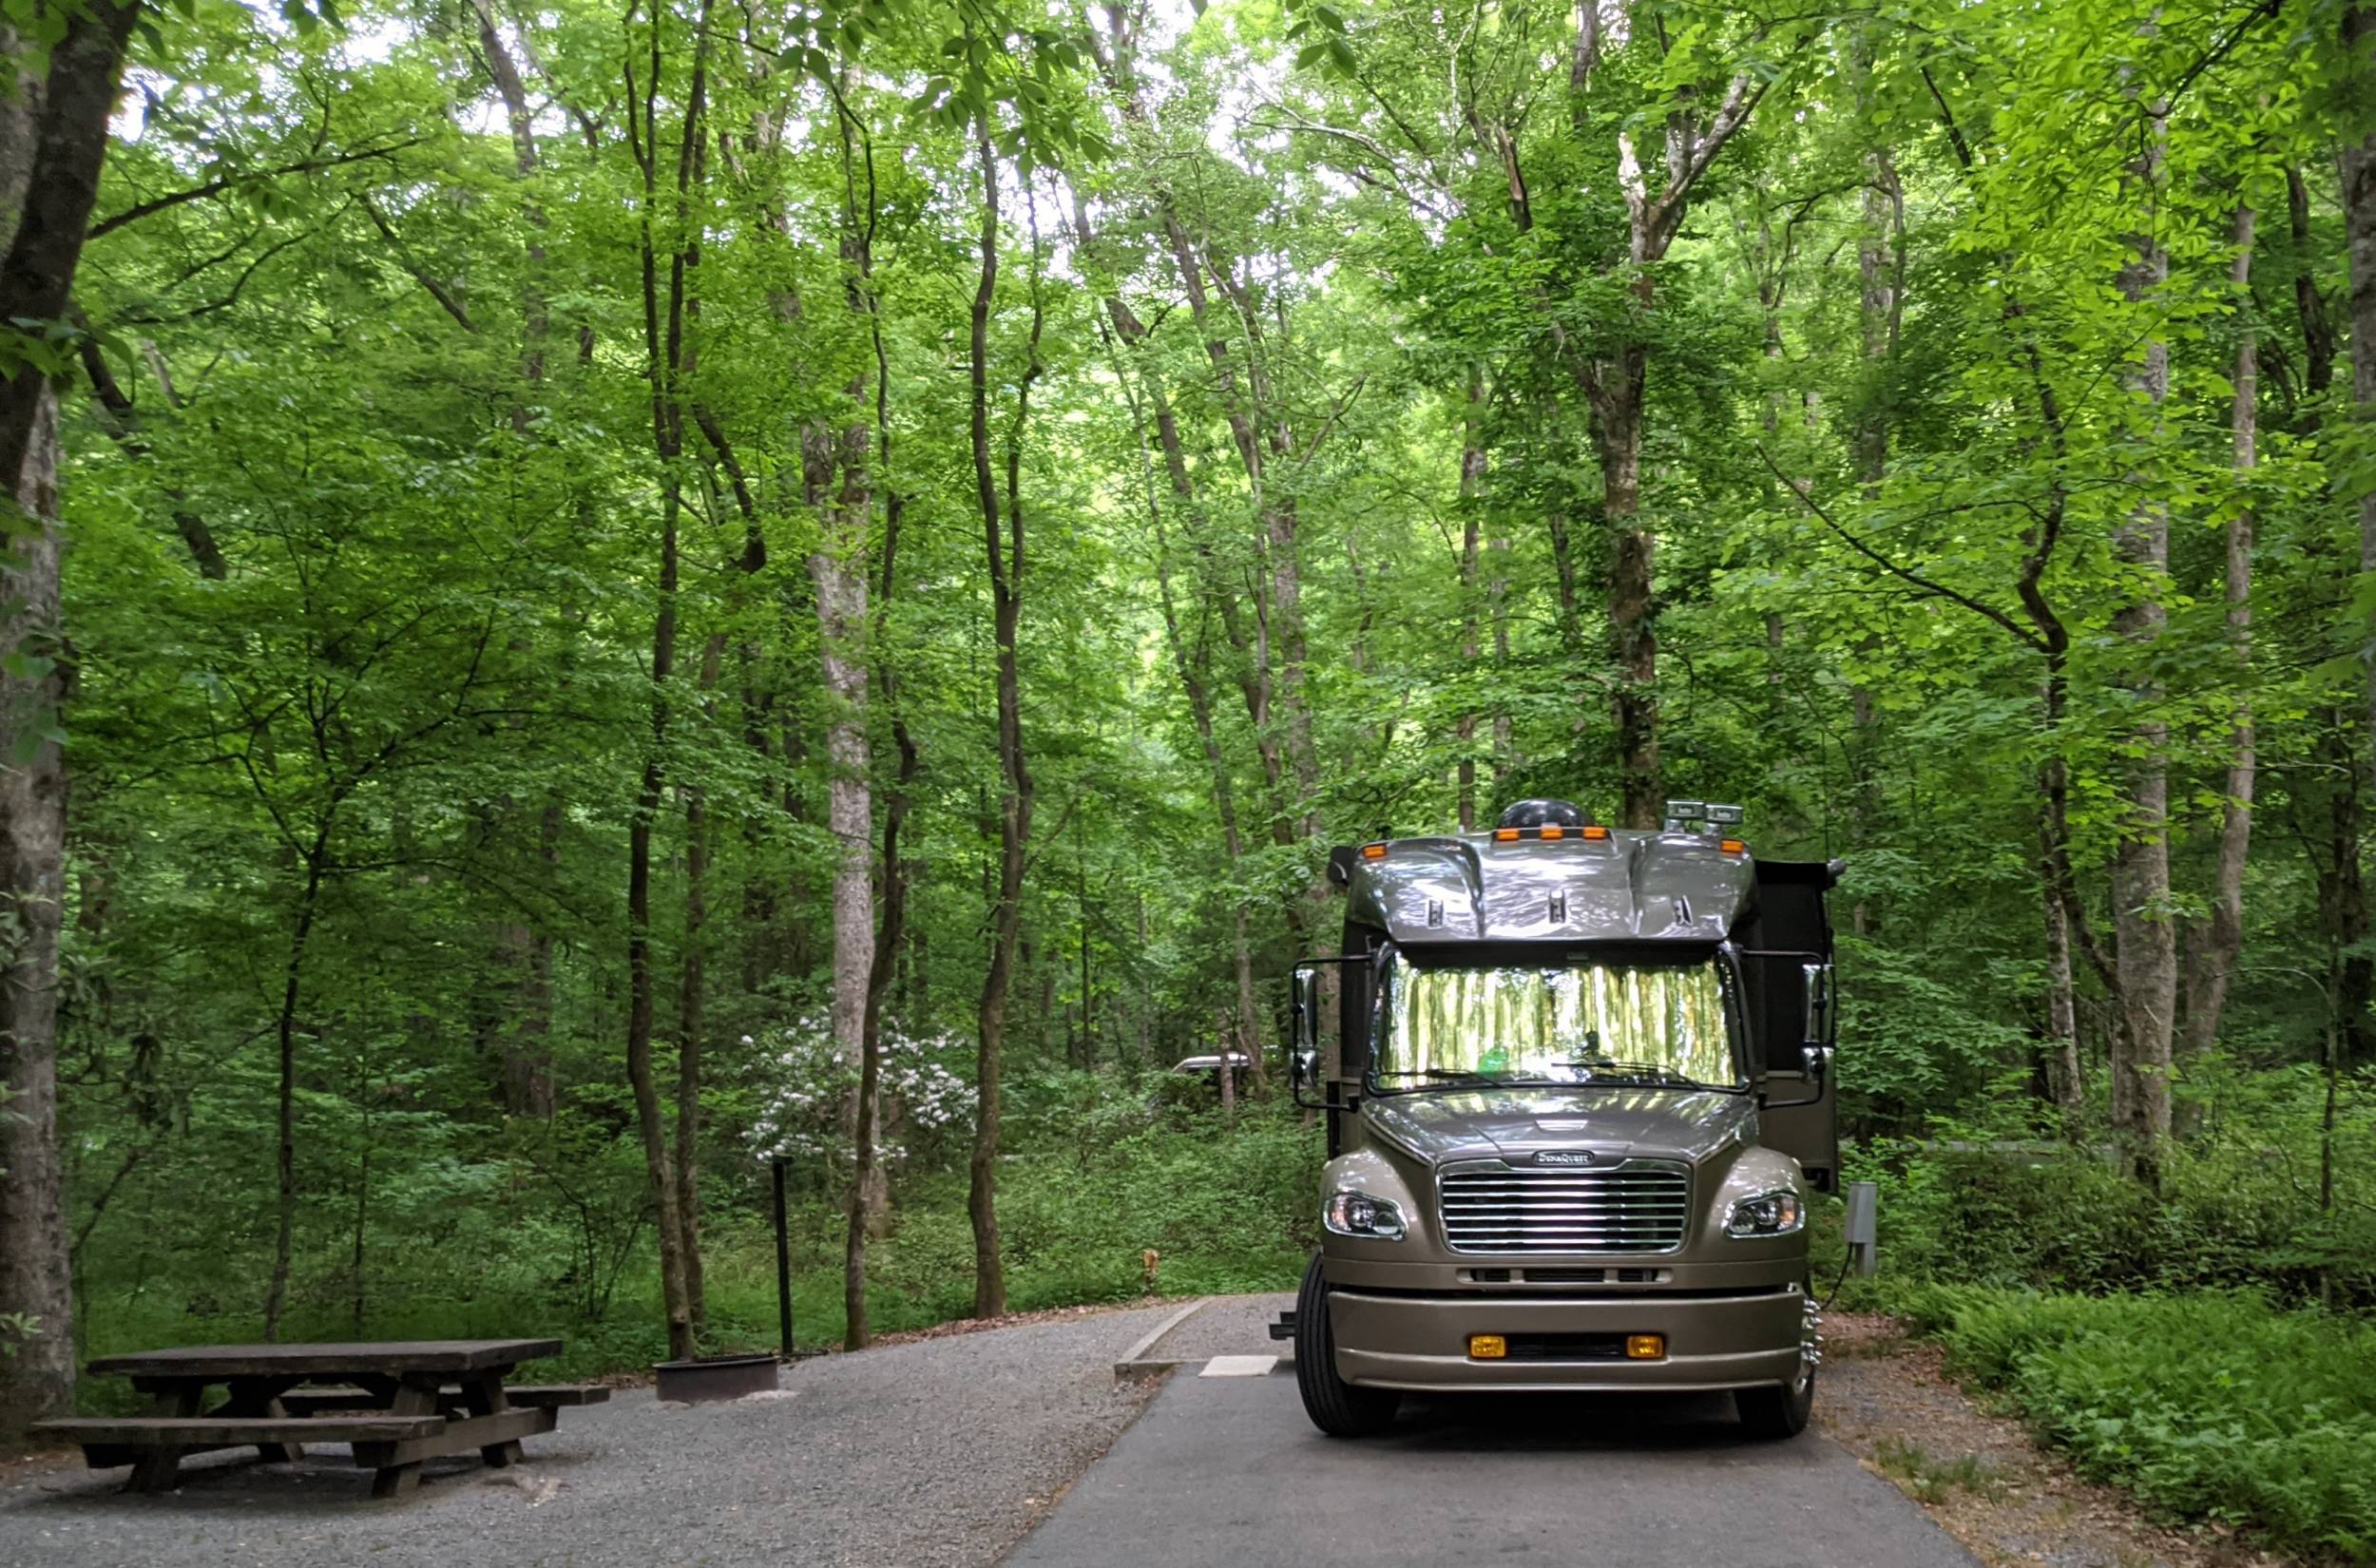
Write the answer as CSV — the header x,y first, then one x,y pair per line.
x,y
1209,1067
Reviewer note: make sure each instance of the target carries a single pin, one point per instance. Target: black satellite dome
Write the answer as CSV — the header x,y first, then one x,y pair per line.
x,y
1543,814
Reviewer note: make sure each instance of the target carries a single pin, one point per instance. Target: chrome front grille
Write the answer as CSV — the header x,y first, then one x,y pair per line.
x,y
1641,1206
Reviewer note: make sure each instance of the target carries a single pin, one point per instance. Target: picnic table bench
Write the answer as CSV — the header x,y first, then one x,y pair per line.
x,y
396,1404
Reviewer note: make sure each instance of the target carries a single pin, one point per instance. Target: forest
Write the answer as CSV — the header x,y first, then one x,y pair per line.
x,y
605,594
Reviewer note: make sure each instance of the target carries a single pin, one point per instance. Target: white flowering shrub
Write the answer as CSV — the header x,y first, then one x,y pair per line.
x,y
808,1101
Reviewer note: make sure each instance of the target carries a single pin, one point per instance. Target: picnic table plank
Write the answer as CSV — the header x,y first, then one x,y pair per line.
x,y
459,1437
220,1361
240,1431
310,1400
428,1399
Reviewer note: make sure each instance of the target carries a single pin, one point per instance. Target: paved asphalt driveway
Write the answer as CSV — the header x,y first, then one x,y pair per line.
x,y
1226,1471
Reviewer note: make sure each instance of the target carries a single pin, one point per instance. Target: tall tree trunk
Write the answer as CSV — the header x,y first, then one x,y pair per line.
x,y
861,1222
1006,570
666,310
2359,229
1505,759
54,135
2144,934
2318,332
520,115
2343,915
2219,943
838,573
1633,636
2342,733
1472,466
1880,304
838,570
524,947
1615,387
692,998
284,1119
36,1362
868,1211
659,1172
2065,1082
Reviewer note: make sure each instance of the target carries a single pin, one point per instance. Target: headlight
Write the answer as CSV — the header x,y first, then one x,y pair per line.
x,y
1775,1214
1353,1213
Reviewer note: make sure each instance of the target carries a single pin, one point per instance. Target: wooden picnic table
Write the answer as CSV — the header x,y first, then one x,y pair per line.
x,y
398,1403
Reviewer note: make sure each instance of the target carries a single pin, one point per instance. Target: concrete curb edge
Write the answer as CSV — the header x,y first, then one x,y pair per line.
x,y
1136,1366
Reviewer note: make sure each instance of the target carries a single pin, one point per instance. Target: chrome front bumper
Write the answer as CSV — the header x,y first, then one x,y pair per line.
x,y
1712,1342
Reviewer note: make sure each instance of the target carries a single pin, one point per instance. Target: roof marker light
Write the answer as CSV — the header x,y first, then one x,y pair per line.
x,y
1374,851
1731,846
1552,830
1505,835
1596,833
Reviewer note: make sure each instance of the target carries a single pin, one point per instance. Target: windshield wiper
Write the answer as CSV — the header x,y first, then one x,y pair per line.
x,y
1480,1081
1649,1071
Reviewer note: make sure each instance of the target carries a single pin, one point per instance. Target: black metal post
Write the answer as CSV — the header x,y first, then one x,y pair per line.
x,y
783,1264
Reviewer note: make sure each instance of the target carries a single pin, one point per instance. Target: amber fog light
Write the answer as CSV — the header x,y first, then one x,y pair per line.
x,y
1645,1347
1487,1347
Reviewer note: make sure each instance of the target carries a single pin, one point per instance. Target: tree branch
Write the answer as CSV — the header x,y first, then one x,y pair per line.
x,y
215,187
403,259
1938,590
1740,100
1946,120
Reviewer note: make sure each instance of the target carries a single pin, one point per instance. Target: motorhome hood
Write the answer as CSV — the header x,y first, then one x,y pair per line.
x,y
1670,1123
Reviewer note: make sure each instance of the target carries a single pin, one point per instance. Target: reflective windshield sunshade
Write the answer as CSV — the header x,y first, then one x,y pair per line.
x,y
1564,1024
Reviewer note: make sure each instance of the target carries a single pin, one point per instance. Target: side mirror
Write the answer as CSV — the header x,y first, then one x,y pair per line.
x,y
1819,1021
1303,1043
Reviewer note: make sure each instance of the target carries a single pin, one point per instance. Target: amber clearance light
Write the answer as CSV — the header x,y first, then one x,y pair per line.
x,y
1645,1347
1487,1347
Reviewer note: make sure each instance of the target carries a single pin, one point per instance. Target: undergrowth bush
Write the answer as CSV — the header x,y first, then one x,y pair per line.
x,y
1995,1200
2210,1405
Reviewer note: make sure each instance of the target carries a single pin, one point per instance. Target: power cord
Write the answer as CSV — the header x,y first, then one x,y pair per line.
x,y
1847,1255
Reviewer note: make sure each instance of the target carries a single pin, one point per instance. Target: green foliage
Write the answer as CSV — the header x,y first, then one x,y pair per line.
x,y
1994,1203
1932,1479
2211,1405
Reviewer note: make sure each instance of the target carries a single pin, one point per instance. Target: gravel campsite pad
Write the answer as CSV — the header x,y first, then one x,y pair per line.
x,y
934,1454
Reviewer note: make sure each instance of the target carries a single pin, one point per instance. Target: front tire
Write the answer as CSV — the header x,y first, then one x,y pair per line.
x,y
1337,1407
1776,1412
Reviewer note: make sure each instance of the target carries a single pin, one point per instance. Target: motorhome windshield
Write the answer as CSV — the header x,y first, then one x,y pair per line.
x,y
1564,1024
